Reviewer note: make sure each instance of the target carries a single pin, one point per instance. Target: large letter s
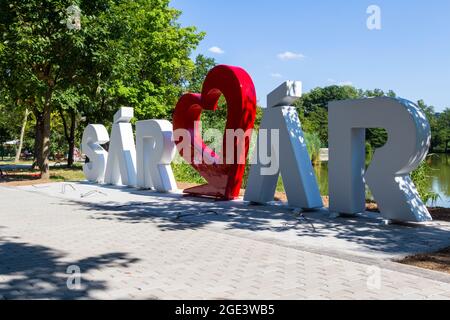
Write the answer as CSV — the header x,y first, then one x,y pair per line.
x,y
93,137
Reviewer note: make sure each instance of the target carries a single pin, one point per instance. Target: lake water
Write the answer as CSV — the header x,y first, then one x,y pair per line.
x,y
439,178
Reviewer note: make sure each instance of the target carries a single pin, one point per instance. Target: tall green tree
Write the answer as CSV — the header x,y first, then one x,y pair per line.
x,y
145,59
121,52
202,66
443,130
313,107
41,55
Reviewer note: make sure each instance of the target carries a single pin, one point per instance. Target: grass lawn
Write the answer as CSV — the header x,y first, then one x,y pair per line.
x,y
24,176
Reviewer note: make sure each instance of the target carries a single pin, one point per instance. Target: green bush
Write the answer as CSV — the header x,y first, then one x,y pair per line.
x,y
313,144
421,178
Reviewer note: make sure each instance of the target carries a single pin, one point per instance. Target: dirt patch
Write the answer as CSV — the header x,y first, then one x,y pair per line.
x,y
442,214
439,261
186,185
438,214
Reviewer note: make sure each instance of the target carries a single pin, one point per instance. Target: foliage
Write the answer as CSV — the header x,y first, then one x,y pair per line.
x,y
313,108
421,178
127,52
145,56
313,144
186,173
203,65
442,130
440,127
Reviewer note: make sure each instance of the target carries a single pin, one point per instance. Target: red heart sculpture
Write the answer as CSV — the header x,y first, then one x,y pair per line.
x,y
224,178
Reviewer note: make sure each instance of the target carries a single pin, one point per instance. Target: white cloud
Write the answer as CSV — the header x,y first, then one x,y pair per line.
x,y
342,83
216,50
288,55
276,75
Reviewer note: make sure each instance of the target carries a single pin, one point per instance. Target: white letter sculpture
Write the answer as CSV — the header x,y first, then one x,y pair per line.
x,y
291,155
155,152
93,137
121,167
388,176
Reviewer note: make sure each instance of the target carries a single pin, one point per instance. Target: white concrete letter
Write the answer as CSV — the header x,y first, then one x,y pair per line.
x,y
290,153
388,177
155,151
121,167
93,137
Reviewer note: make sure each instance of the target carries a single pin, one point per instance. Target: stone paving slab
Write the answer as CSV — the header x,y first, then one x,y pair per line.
x,y
132,244
364,236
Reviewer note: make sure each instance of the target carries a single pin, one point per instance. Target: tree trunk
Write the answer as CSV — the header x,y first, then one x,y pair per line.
x,y
38,139
69,133
45,139
45,145
22,135
71,141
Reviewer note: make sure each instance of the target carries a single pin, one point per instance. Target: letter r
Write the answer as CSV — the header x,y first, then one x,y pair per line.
x,y
388,176
155,152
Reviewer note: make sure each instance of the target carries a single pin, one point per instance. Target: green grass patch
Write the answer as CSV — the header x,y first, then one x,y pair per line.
x,y
63,174
185,173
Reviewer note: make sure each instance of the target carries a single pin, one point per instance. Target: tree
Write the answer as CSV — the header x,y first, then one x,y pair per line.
x,y
22,135
41,48
313,107
432,119
314,112
443,130
122,52
146,59
203,65
69,104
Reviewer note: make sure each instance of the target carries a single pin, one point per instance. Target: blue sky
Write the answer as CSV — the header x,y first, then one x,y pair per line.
x,y
326,42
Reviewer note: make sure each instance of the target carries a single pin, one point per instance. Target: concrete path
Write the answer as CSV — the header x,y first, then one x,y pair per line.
x,y
130,244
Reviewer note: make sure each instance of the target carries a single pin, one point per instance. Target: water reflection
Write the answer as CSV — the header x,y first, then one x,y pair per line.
x,y
321,169
439,179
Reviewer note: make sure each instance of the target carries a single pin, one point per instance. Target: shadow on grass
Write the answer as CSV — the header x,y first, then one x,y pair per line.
x,y
38,272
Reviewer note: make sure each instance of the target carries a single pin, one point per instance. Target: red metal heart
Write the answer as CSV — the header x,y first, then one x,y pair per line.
x,y
224,179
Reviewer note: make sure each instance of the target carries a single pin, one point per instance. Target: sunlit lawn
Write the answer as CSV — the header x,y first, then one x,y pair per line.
x,y
58,173
61,174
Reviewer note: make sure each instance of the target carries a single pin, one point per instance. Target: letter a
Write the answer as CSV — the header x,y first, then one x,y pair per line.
x,y
121,167
289,156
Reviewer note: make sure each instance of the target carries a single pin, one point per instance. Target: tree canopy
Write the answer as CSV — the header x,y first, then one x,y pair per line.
x,y
115,53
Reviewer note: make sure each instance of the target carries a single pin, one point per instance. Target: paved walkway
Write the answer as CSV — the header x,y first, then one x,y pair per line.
x,y
129,244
